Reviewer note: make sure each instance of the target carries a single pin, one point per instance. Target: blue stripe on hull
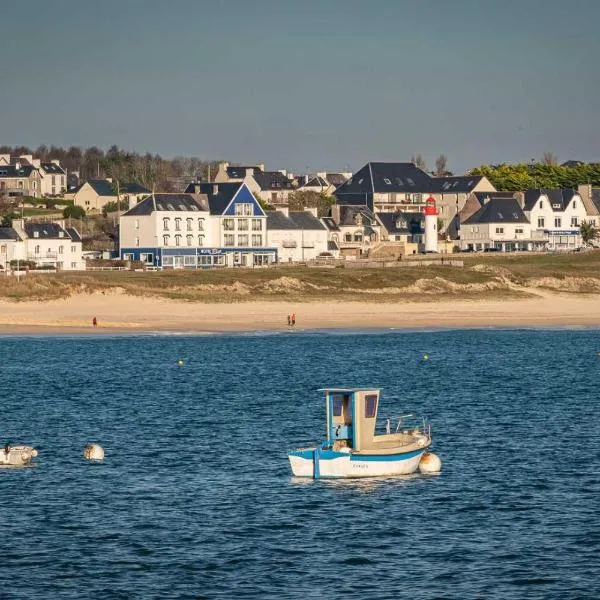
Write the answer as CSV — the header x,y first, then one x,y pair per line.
x,y
309,454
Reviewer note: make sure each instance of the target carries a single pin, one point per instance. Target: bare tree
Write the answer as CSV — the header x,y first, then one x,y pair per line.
x,y
549,159
418,161
441,165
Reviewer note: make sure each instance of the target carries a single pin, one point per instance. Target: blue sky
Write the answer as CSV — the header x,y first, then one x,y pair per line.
x,y
327,84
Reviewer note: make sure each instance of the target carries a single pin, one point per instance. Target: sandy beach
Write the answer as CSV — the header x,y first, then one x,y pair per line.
x,y
123,313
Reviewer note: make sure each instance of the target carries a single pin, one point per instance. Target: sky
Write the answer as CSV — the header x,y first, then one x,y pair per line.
x,y
305,85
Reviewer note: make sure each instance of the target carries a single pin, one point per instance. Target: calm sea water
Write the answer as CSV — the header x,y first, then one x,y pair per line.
x,y
195,498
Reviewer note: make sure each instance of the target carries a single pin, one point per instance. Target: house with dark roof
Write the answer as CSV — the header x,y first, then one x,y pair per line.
x,y
402,186
298,235
48,244
27,176
322,183
273,187
210,225
53,178
499,224
557,215
93,195
354,229
402,227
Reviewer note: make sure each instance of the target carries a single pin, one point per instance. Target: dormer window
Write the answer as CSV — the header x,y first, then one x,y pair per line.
x,y
36,234
387,181
61,234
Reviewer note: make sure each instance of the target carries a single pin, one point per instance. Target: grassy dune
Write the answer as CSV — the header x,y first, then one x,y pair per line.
x,y
482,276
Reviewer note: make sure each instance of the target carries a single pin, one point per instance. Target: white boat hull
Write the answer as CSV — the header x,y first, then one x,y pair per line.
x,y
346,465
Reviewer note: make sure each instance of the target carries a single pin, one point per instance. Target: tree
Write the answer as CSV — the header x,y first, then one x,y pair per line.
x,y
441,164
73,212
301,200
419,161
111,207
588,232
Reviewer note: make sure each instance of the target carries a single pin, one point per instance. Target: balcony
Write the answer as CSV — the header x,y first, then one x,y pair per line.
x,y
42,256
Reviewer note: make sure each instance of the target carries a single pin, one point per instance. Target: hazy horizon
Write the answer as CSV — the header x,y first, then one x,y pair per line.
x,y
305,86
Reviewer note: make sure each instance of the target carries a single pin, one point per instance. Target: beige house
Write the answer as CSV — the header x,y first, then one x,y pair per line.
x,y
28,176
94,194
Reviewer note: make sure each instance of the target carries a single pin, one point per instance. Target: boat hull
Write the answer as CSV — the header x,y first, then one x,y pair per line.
x,y
317,463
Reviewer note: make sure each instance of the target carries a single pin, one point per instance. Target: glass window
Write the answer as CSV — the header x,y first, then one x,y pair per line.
x,y
370,405
189,239
201,224
178,240
337,402
189,222
242,224
37,249
200,240
256,240
256,224
166,223
243,240
228,224
541,222
243,209
557,222
499,229
228,239
61,249
165,240
189,261
574,222
177,224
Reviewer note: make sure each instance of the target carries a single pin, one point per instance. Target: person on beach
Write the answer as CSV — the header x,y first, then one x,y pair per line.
x,y
289,320
293,319
94,322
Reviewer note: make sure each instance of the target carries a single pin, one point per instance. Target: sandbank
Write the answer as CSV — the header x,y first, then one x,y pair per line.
x,y
123,313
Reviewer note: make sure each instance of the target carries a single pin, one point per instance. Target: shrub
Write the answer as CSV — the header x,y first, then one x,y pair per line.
x,y
73,212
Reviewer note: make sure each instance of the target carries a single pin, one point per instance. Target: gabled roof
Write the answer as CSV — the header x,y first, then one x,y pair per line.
x,y
219,195
336,179
50,167
402,222
454,185
239,172
169,203
499,210
12,171
305,220
349,212
483,196
317,182
330,224
8,233
272,180
557,197
103,187
45,231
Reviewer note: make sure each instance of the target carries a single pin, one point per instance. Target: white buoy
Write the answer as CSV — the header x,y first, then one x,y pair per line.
x,y
430,463
93,452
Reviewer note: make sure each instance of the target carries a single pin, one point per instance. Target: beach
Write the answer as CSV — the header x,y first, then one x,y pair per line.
x,y
125,313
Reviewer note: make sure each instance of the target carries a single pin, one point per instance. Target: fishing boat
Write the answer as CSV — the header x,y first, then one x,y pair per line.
x,y
16,456
354,448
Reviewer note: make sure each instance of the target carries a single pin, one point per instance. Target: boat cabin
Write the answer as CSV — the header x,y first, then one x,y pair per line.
x,y
352,418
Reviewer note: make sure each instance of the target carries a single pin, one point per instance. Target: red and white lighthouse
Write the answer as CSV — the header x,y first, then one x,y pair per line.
x,y
431,232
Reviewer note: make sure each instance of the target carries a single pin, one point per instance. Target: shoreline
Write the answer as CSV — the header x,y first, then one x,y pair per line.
x,y
120,314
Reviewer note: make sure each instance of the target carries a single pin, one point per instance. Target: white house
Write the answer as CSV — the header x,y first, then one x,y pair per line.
x,y
499,224
46,244
298,235
53,178
557,215
221,224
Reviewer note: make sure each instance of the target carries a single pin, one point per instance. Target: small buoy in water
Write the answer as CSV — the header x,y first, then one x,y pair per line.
x,y
181,362
430,463
425,356
93,452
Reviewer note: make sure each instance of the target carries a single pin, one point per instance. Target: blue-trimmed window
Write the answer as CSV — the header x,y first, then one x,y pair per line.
x,y
337,404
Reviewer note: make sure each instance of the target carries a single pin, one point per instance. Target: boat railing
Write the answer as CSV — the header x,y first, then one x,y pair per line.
x,y
406,422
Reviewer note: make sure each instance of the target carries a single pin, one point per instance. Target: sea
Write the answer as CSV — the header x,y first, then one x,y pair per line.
x,y
195,498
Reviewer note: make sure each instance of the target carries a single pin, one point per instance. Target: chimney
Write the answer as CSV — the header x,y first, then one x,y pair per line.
x,y
26,158
36,162
197,188
284,209
18,164
215,189
56,162
249,172
283,172
261,166
585,193
313,210
335,213
520,198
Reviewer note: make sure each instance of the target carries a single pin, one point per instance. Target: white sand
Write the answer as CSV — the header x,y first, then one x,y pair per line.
x,y
117,312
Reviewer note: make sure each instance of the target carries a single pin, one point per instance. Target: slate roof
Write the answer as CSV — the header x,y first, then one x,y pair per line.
x,y
240,171
219,195
8,233
103,187
52,168
330,224
12,171
272,180
73,234
316,182
402,222
46,231
499,210
559,198
454,185
336,179
482,196
296,220
348,214
170,203
596,197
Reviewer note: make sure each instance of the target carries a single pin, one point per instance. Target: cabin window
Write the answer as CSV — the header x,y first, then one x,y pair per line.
x,y
370,405
337,402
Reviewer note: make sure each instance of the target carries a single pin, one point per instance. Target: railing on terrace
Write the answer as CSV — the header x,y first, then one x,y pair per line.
x,y
42,255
